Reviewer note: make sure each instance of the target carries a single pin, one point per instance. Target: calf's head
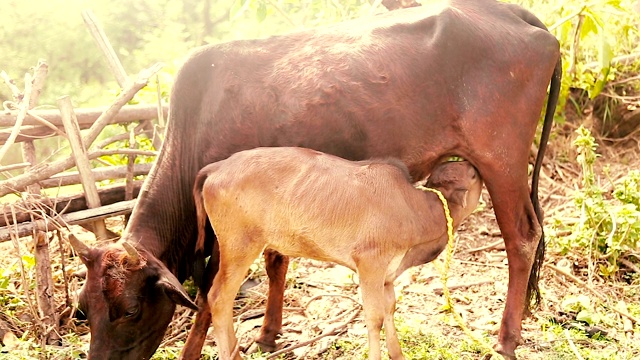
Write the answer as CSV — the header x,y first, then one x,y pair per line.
x,y
129,298
460,184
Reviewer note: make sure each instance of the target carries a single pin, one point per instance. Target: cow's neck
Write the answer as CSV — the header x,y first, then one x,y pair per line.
x,y
163,221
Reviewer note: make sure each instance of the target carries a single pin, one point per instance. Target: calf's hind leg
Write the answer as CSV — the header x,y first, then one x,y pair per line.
x,y
234,264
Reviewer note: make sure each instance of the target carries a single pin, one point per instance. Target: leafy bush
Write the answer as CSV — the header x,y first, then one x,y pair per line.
x,y
609,221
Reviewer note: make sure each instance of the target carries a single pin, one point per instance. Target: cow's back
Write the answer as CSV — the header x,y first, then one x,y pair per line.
x,y
384,86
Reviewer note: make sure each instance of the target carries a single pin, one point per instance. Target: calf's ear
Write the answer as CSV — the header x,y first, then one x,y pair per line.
x,y
459,197
174,290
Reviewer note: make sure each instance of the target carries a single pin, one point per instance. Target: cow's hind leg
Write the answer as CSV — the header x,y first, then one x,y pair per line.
x,y
521,231
276,266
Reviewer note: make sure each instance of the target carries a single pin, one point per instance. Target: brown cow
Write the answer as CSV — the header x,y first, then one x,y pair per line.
x,y
466,78
364,215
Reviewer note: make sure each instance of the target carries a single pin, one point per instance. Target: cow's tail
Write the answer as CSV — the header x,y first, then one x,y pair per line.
x,y
199,266
533,291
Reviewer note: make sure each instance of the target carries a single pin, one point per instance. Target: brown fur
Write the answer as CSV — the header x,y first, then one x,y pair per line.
x,y
461,78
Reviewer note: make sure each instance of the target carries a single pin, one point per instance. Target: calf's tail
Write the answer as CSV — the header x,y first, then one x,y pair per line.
x,y
199,266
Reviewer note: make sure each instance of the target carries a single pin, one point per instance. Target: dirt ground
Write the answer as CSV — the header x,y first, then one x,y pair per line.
x,y
323,299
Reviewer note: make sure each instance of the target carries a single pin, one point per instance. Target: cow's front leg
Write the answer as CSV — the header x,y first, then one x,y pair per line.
x,y
276,265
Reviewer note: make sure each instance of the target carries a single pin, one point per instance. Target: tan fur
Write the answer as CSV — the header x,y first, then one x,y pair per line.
x,y
300,202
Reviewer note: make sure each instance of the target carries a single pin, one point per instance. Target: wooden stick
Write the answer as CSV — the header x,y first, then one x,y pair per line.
x,y
11,84
86,116
25,210
114,62
105,46
15,166
120,137
333,331
25,284
21,115
61,245
438,289
46,123
44,284
39,76
46,170
124,97
99,174
572,346
128,193
76,218
485,247
82,162
160,107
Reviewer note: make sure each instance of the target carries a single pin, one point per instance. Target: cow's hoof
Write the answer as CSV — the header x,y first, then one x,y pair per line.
x,y
507,354
263,347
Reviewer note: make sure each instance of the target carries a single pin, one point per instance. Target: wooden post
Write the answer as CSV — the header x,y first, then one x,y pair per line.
x,y
128,193
44,284
44,279
82,162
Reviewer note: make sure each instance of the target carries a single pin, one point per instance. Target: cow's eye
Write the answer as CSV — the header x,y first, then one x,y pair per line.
x,y
131,311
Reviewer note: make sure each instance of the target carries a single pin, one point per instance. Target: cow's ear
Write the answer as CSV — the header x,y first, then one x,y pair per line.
x,y
459,197
174,290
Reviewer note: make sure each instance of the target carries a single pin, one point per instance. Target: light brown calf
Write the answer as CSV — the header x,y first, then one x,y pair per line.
x,y
364,215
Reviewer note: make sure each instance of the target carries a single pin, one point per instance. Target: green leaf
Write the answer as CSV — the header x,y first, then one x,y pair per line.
x,y
590,317
606,54
588,26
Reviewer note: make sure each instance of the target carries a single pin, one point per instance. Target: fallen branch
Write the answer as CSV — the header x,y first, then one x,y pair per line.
x,y
439,290
629,265
476,263
337,330
485,247
595,292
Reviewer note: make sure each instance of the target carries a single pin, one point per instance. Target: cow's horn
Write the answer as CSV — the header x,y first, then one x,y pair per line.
x,y
78,246
133,253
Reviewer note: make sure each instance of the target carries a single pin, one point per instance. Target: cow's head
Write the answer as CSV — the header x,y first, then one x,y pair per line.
x,y
129,298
